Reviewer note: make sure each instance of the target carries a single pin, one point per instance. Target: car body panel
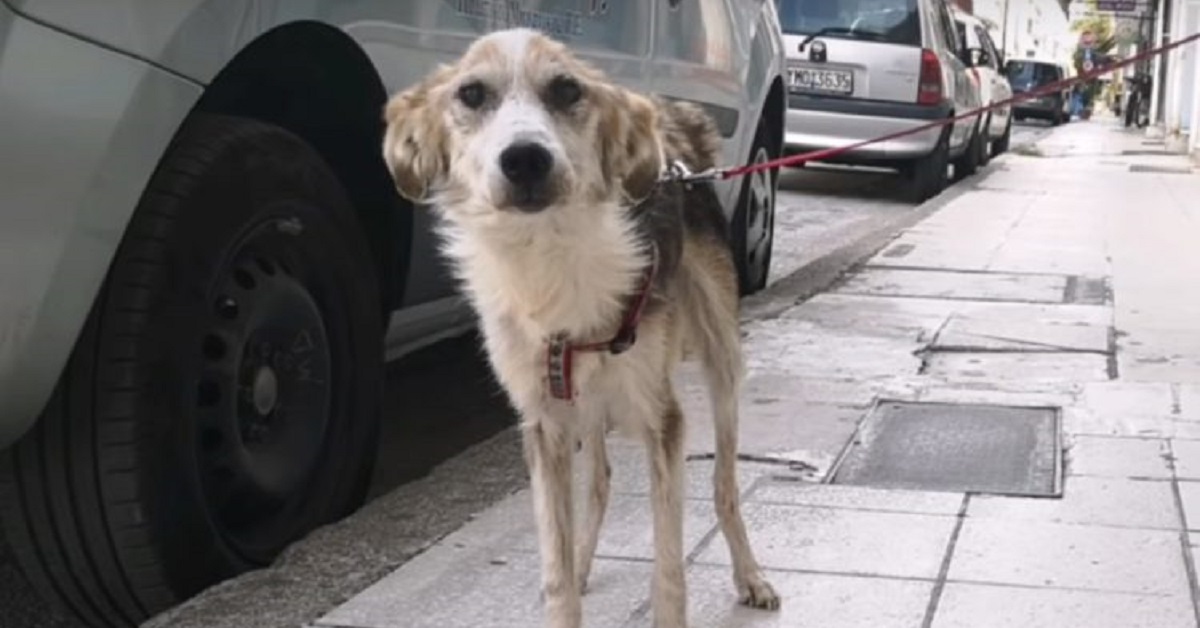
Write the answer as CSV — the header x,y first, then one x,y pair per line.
x,y
987,70
885,81
135,69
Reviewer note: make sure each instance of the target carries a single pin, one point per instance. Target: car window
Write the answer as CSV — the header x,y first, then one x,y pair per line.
x,y
951,35
988,46
891,21
1032,72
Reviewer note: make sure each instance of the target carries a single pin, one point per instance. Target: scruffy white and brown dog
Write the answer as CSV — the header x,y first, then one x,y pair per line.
x,y
592,281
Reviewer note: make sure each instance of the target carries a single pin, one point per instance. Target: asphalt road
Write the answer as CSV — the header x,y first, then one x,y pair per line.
x,y
820,209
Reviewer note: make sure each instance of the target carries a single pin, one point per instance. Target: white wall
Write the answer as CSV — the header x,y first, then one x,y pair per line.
x,y
1037,26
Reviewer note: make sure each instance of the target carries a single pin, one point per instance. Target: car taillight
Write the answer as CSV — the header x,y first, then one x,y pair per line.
x,y
929,86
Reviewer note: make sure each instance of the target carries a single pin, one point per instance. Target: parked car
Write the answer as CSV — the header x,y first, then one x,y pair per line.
x,y
1026,75
864,69
986,63
205,263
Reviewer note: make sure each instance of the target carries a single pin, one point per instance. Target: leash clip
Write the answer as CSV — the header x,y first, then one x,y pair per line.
x,y
678,172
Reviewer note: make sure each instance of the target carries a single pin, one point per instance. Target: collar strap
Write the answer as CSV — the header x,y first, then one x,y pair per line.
x,y
561,352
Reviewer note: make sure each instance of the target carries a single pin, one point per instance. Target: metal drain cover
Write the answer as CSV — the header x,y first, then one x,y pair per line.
x,y
1159,169
1003,450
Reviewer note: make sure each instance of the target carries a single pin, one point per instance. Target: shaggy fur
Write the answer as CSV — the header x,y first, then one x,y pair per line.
x,y
556,241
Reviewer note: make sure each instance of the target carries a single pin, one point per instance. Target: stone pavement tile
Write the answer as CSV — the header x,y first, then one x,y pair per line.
x,y
964,331
983,606
841,541
1079,420
809,601
1189,401
1088,500
857,498
899,316
491,587
1120,398
1118,457
986,367
956,285
631,473
1187,459
1061,555
994,393
1189,494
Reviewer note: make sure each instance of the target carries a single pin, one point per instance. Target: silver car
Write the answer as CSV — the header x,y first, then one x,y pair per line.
x,y
203,262
861,69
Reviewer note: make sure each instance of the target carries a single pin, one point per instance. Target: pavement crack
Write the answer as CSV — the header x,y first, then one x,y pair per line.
x,y
935,597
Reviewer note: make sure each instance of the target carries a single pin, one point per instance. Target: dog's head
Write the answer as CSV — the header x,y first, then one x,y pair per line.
x,y
518,124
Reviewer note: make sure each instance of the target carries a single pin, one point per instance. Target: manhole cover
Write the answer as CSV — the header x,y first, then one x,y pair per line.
x,y
1159,169
1003,450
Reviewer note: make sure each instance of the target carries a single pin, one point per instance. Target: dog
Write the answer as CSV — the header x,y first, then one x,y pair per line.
x,y
592,279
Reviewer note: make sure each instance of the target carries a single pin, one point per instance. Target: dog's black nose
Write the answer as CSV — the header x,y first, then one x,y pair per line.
x,y
526,165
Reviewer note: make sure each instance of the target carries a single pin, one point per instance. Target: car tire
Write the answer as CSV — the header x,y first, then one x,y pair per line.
x,y
927,175
1000,146
223,398
753,228
967,164
985,146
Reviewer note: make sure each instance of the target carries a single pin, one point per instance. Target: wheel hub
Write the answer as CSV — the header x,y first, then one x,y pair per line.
x,y
265,396
760,214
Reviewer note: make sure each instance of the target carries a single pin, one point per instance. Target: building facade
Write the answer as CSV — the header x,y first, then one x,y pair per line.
x,y
1175,106
1027,28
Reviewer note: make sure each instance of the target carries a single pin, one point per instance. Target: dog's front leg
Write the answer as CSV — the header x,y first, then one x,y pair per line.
x,y
548,453
595,451
665,445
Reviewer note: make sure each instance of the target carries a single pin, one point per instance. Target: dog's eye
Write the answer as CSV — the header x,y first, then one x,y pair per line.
x,y
472,94
563,92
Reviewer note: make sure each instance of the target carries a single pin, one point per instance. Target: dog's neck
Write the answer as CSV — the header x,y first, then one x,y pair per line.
x,y
571,272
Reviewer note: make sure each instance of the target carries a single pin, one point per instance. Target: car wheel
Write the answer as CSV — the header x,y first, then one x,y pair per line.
x,y
753,228
223,398
985,145
1000,146
968,163
927,175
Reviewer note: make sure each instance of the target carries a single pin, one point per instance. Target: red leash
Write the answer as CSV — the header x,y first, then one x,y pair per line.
x,y
818,155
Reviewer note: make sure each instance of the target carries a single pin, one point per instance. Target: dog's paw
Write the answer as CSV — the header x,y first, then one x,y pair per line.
x,y
758,593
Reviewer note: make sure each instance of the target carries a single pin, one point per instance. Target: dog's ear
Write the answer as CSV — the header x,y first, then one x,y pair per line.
x,y
416,144
632,149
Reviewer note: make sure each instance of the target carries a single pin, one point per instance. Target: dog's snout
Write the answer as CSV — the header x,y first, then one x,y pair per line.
x,y
526,164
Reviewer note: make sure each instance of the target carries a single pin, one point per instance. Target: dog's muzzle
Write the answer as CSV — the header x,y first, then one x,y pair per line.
x,y
528,167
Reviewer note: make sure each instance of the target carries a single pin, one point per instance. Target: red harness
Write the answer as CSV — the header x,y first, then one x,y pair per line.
x,y
560,355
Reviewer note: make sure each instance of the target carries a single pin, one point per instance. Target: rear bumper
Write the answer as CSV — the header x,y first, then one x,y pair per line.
x,y
1044,107
816,123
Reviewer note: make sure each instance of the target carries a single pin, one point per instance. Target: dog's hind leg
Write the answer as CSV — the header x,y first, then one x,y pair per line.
x,y
596,453
720,349
548,454
664,443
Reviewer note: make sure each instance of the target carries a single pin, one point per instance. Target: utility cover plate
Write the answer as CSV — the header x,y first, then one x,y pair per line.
x,y
1002,450
1159,169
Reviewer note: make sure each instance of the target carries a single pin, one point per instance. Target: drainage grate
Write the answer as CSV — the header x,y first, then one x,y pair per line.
x,y
1141,152
1159,169
1003,450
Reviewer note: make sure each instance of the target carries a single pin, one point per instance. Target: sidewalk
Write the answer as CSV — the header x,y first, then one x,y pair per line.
x,y
1067,280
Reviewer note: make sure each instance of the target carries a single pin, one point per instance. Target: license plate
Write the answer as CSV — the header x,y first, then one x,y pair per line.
x,y
828,81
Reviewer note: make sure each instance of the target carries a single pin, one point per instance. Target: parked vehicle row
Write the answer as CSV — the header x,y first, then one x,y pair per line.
x,y
205,261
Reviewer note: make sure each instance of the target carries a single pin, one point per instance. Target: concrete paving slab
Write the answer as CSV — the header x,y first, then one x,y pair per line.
x,y
1119,398
809,601
1119,457
1189,494
998,394
986,367
631,473
1187,459
1094,501
1036,554
1189,401
858,498
1078,420
841,541
941,284
983,606
491,587
976,333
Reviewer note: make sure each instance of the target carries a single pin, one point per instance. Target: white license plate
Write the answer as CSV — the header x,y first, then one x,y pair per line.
x,y
828,81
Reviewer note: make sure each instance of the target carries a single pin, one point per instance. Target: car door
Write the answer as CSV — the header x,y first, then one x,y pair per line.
x,y
407,39
698,56
1000,89
958,85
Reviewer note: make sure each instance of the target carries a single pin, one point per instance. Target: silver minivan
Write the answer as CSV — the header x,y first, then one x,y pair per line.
x,y
203,260
860,69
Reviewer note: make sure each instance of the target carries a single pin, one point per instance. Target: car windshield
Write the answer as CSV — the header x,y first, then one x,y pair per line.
x,y
1028,72
892,21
